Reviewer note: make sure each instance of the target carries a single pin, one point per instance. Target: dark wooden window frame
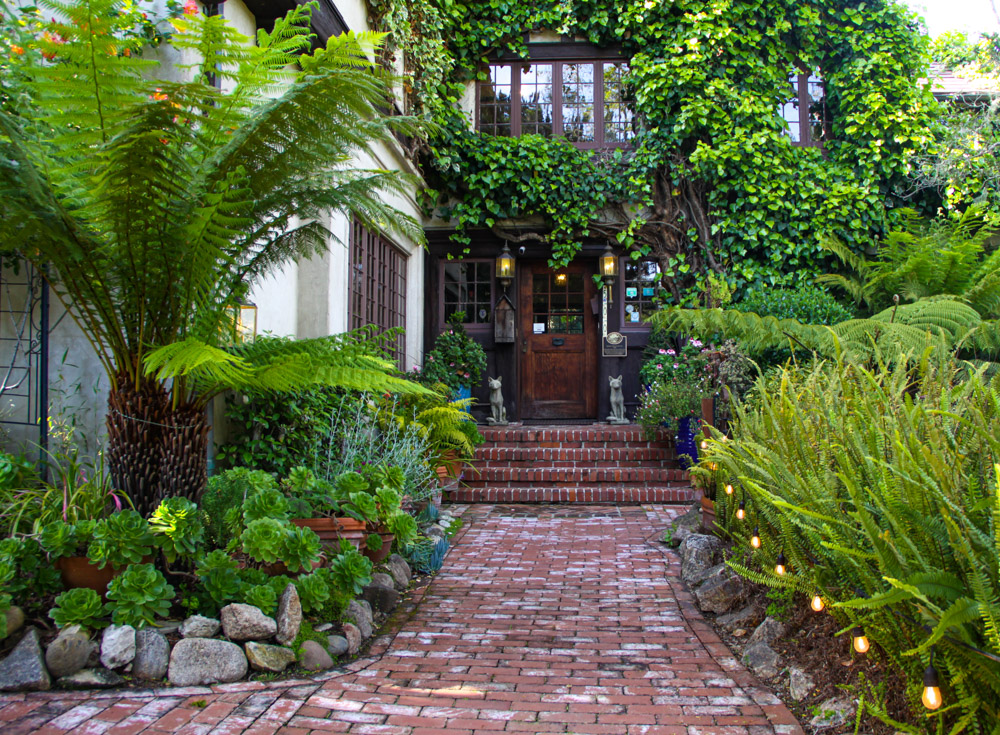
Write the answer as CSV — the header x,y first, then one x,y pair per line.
x,y
631,327
471,327
377,290
805,125
557,55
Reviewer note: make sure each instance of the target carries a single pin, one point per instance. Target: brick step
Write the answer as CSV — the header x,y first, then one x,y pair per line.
x,y
579,475
624,495
551,455
597,435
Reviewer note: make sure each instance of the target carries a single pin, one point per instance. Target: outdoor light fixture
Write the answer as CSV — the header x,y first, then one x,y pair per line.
x,y
560,279
505,266
779,567
704,444
755,539
609,265
861,644
741,511
729,489
244,322
817,603
932,688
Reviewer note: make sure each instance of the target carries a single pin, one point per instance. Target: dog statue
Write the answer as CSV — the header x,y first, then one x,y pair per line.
x,y
498,413
617,402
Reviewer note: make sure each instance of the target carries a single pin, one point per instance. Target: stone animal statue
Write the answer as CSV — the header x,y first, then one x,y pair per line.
x,y
617,401
498,414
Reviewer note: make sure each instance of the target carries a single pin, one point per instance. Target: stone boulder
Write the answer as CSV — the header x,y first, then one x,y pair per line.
x,y
762,660
381,594
399,570
264,657
289,617
198,626
360,612
699,554
337,645
741,618
800,684
312,657
68,654
768,631
117,646
353,636
833,713
721,590
14,618
152,655
197,661
91,679
685,525
246,623
24,668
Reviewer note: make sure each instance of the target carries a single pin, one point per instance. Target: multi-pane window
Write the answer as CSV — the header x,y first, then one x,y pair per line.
x,y
806,111
558,301
639,298
378,283
468,287
582,101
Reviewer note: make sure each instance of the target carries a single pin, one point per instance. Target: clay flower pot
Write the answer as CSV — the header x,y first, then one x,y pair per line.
x,y
79,571
708,515
331,530
383,553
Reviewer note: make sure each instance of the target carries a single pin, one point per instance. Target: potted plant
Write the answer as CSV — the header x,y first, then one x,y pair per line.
x,y
456,360
272,542
374,496
313,505
450,433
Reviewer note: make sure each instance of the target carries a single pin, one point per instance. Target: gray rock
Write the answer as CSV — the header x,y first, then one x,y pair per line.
x,y
24,668
381,596
699,554
15,619
152,654
399,570
91,679
768,631
312,657
762,660
800,684
73,630
383,580
834,712
198,626
169,627
197,661
67,654
435,531
337,644
738,619
360,612
323,627
721,590
353,635
289,617
685,525
117,646
246,623
263,657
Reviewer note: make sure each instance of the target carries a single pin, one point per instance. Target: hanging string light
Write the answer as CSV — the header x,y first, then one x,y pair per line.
x,y
729,489
755,539
704,444
932,687
741,512
779,567
817,603
860,640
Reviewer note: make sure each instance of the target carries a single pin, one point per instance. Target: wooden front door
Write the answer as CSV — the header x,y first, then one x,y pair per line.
x,y
558,338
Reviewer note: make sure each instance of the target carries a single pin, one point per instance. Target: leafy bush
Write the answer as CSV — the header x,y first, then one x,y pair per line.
x,y
222,503
80,606
262,596
219,576
177,528
456,360
264,539
880,488
805,303
123,539
138,596
25,573
349,570
666,401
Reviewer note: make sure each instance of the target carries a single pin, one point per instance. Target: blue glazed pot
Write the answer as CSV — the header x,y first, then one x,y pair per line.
x,y
463,392
687,444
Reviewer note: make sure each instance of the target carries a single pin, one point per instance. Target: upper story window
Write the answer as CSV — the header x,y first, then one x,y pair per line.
x,y
806,111
582,101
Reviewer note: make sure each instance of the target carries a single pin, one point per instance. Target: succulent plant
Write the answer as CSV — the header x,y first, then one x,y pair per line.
x,y
265,503
301,549
219,575
177,528
261,596
314,590
138,596
350,571
264,539
79,606
123,539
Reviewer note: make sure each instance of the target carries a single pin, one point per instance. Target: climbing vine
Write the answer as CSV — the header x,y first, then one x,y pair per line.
x,y
712,185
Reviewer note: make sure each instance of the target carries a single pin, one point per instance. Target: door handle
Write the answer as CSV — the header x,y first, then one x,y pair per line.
x,y
524,345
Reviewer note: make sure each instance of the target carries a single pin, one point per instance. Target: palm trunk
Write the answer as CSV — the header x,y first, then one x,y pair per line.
x,y
154,450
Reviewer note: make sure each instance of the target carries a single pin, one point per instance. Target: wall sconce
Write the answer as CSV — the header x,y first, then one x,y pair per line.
x,y
505,267
244,322
609,265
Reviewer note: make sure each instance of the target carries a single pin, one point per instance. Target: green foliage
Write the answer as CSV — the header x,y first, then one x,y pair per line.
x,y
123,539
804,303
219,575
314,591
666,401
425,555
80,606
879,486
177,528
264,539
222,502
403,527
301,549
350,571
456,359
261,596
26,574
447,425
267,503
138,596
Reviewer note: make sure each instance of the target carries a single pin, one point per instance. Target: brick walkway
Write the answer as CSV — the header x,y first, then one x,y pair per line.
x,y
545,619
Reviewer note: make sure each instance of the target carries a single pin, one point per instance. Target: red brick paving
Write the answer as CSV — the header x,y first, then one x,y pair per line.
x,y
567,619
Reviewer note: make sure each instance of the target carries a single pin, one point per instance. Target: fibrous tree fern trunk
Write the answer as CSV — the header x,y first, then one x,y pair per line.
x,y
154,449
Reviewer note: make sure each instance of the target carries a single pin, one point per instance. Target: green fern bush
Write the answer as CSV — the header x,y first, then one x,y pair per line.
x,y
881,487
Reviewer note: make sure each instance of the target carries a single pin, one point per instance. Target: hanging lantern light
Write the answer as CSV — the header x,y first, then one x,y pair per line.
x,y
741,512
505,266
609,265
932,688
755,539
779,567
817,603
860,640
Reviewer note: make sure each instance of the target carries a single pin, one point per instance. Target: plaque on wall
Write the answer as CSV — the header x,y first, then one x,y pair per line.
x,y
615,345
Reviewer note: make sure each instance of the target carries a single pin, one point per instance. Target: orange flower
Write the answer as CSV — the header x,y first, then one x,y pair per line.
x,y
158,95
17,50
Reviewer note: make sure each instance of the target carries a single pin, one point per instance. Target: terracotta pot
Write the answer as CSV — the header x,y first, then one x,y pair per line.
x,y
383,553
708,515
278,568
79,571
451,466
331,530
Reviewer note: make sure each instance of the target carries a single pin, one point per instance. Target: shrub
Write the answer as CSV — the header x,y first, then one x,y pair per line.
x,y
219,576
177,528
879,487
123,539
665,401
222,503
456,360
138,596
806,303
80,606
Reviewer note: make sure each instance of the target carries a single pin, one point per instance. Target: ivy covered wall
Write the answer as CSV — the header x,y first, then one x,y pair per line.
x,y
712,184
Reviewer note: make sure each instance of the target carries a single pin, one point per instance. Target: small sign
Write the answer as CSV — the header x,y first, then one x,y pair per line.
x,y
615,345
634,316
631,292
538,327
647,291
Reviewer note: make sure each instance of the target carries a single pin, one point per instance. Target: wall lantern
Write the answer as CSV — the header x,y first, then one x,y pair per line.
x,y
609,265
505,266
244,322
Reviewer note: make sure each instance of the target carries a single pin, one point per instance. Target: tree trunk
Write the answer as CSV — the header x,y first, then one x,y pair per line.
x,y
154,451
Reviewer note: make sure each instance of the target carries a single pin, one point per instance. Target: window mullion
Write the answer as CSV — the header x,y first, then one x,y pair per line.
x,y
515,101
599,104
557,99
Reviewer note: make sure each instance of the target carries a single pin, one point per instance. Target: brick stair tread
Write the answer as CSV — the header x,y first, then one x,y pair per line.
x,y
625,495
624,435
580,475
488,453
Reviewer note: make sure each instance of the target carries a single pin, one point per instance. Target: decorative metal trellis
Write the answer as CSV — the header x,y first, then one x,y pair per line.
x,y
24,354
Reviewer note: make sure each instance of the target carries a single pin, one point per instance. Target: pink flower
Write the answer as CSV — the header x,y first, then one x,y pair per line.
x,y
190,8
670,352
659,366
663,351
468,375
694,343
676,366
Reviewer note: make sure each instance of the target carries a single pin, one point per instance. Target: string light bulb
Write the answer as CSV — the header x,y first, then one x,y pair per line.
x,y
741,512
779,567
860,641
817,603
932,688
755,539
729,489
704,444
